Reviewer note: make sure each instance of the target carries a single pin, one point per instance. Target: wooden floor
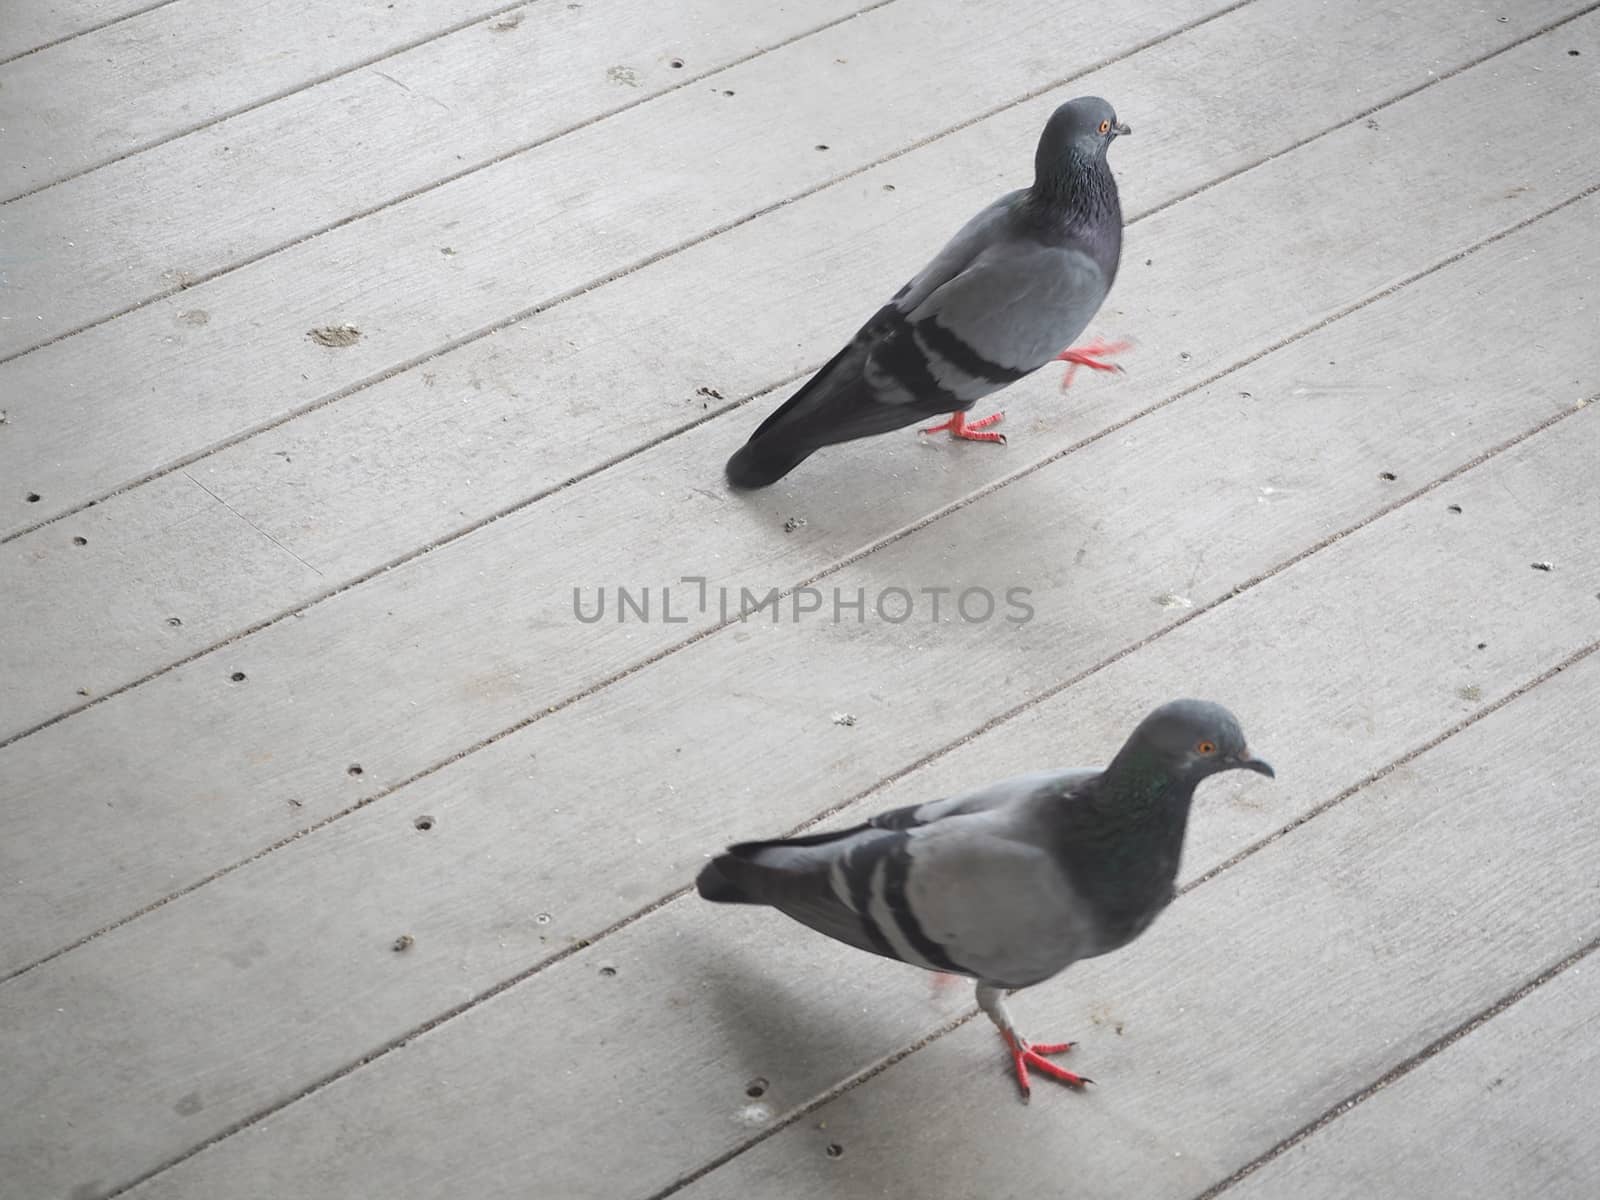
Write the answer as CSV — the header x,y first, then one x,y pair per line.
x,y
341,344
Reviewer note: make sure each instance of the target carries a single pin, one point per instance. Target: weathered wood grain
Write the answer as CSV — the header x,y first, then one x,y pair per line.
x,y
616,1085
530,826
148,224
383,471
30,24
425,662
1504,1112
91,99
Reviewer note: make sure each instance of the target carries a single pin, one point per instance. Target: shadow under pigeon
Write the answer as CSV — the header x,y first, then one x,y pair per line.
x,y
785,1040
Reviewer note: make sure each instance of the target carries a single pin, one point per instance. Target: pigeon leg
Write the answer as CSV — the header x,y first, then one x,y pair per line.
x,y
966,430
1090,356
992,1001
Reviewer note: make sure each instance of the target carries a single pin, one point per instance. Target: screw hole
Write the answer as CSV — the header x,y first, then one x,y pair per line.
x,y
822,145
676,64
888,187
756,1088
80,541
353,769
1572,54
608,972
423,823
174,621
1483,645
33,497
726,92
1184,355
1455,508
835,1150
1386,476
542,919
1244,396
237,677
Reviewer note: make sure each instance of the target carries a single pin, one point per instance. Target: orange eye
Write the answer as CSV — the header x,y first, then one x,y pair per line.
x,y
1206,748
1105,127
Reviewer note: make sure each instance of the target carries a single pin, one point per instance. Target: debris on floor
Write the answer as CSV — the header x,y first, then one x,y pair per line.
x,y
335,336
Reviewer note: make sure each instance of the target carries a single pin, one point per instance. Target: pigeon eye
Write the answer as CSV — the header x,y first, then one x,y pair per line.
x,y
1205,747
1105,127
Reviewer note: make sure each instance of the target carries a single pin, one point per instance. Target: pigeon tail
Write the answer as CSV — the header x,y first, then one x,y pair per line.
x,y
713,885
781,442
757,465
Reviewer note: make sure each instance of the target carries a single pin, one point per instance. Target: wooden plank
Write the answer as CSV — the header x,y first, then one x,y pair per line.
x,y
35,23
645,1070
147,225
525,232
427,661
353,486
1504,1112
1262,1000
525,827
84,102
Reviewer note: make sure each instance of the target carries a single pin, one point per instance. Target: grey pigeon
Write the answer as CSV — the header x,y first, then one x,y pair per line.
x,y
1019,281
1009,884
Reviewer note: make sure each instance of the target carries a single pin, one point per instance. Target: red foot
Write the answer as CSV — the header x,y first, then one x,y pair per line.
x,y
1024,1056
1090,356
967,431
942,980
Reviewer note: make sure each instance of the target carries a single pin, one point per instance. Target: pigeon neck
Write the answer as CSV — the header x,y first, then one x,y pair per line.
x,y
1079,187
1140,785
1126,842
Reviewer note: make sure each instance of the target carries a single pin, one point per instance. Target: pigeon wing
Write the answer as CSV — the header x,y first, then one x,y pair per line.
x,y
964,885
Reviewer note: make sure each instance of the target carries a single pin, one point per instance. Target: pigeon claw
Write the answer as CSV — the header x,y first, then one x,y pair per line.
x,y
967,431
1090,356
1024,1056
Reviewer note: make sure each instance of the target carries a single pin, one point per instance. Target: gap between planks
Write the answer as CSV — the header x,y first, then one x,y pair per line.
x,y
1396,1072
77,33
833,568
678,248
1402,1069
274,97
617,459
855,1080
401,198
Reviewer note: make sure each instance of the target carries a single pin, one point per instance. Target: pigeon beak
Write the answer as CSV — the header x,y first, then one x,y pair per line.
x,y
1122,129
1259,766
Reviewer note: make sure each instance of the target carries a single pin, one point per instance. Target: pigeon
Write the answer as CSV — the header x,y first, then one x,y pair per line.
x,y
1019,281
1008,884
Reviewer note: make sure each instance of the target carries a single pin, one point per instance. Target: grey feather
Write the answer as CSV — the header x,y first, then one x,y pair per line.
x,y
1015,286
1012,882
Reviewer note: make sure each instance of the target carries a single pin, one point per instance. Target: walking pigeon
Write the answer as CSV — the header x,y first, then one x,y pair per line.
x,y
1009,884
1019,281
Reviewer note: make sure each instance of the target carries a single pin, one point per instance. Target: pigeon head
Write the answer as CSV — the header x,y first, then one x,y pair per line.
x,y
1194,739
1078,132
